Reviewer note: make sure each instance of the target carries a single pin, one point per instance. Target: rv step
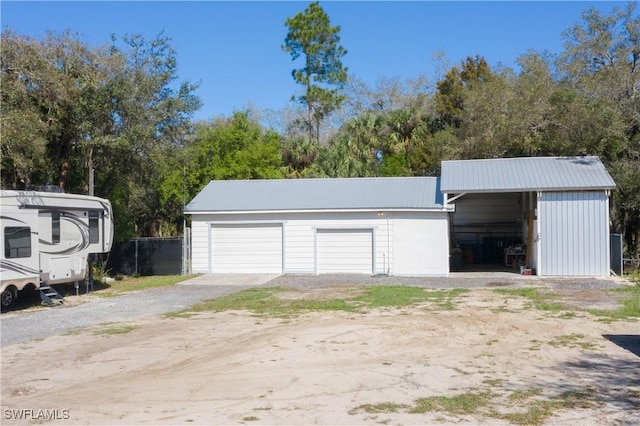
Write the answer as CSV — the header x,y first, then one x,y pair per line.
x,y
49,296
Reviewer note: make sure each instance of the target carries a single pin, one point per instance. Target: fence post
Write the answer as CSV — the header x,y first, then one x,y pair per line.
x,y
136,257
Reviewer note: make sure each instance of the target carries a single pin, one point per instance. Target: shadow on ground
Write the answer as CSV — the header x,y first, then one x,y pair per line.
x,y
630,342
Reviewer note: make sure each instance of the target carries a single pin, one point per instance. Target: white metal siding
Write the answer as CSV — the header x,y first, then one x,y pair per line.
x,y
246,248
299,233
574,233
421,245
345,251
200,246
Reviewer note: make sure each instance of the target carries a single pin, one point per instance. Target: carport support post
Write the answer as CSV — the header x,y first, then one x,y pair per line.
x,y
527,256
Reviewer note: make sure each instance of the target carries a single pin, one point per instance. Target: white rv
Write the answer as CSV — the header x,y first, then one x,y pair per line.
x,y
47,237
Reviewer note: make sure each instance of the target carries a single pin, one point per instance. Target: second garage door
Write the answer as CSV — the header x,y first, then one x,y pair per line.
x,y
345,251
246,248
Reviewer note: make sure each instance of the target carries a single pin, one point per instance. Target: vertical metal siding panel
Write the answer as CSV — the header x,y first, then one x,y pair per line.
x,y
602,227
574,233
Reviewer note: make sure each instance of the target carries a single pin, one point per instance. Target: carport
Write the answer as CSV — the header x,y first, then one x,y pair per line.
x,y
550,214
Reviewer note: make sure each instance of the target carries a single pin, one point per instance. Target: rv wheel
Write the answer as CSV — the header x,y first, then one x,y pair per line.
x,y
8,298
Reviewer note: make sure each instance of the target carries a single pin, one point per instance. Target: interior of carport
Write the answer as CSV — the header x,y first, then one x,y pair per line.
x,y
490,231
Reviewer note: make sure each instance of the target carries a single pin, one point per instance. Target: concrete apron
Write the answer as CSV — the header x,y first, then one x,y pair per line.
x,y
230,279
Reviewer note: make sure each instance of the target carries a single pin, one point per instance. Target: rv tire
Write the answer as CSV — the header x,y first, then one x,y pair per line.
x,y
8,298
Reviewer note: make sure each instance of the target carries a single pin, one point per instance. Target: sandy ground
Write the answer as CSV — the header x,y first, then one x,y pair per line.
x,y
323,368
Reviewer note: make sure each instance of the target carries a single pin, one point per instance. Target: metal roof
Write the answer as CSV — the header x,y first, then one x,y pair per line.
x,y
525,174
410,193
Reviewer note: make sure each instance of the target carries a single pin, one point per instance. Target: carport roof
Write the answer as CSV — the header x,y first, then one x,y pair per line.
x,y
400,193
525,174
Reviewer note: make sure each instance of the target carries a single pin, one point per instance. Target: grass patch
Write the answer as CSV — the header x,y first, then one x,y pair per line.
x,y
465,403
573,340
630,305
265,301
522,395
539,300
106,329
629,309
383,407
115,329
538,410
493,382
401,296
141,283
273,302
521,407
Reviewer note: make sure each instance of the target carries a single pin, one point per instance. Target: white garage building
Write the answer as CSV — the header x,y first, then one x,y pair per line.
x,y
395,226
549,213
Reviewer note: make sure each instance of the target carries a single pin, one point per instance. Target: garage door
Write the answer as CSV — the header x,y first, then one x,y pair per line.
x,y
246,248
345,251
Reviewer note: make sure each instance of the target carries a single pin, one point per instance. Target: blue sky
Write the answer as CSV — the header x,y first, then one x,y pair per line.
x,y
232,49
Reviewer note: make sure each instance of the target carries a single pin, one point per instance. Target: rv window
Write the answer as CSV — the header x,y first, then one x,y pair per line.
x,y
17,242
94,228
55,227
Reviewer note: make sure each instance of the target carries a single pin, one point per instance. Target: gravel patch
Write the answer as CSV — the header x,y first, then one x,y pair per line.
x,y
22,326
19,327
457,281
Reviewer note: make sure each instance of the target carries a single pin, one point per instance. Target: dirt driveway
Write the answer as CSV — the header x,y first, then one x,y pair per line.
x,y
487,358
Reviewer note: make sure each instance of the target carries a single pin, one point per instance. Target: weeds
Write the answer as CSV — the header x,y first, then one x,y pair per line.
x,y
571,341
272,301
521,407
114,330
539,300
141,283
630,304
462,404
383,407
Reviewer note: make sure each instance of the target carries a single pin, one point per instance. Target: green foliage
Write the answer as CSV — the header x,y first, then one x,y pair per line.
x,y
69,108
322,74
298,155
233,148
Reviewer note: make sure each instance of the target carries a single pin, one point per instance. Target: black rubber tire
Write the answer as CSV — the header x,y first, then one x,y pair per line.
x,y
8,298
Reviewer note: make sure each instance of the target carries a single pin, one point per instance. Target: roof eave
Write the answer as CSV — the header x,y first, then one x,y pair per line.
x,y
377,209
495,190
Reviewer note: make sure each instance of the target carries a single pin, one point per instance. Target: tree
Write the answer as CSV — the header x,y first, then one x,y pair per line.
x,y
298,155
450,90
601,61
231,148
322,75
69,108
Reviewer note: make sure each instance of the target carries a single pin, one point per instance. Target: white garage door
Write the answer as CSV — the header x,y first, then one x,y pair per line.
x,y
246,248
345,251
